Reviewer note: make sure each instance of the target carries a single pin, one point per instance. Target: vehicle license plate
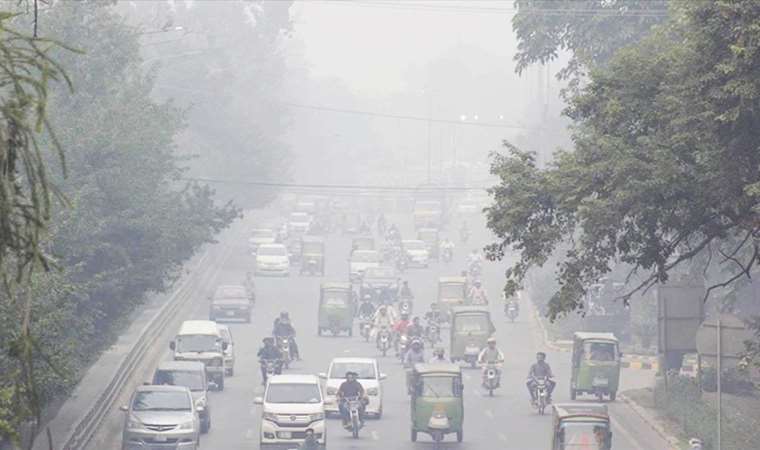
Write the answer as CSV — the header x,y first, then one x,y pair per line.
x,y
160,438
284,434
230,313
600,381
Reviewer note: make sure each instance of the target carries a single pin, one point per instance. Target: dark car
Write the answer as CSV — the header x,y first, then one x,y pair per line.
x,y
381,283
230,302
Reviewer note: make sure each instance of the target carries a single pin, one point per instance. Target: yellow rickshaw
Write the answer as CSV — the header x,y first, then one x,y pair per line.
x,y
581,425
451,292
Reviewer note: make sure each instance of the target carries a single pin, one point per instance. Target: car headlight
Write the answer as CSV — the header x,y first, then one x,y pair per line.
x,y
332,391
135,424
272,417
189,425
372,391
317,416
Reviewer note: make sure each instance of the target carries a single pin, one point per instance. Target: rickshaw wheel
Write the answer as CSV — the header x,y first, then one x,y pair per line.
x,y
414,435
460,435
613,394
573,394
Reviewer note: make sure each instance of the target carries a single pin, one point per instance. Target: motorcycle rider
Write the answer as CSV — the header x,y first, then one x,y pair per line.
x,y
439,355
415,354
269,352
490,355
478,295
540,369
348,389
404,291
434,315
367,308
401,326
283,328
512,302
250,286
381,224
382,319
447,246
415,329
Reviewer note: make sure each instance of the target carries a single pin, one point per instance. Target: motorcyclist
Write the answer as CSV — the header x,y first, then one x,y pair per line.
x,y
405,291
415,329
348,389
310,441
439,355
447,246
478,295
415,354
474,257
490,355
401,326
540,369
269,352
283,328
381,224
367,308
434,315
511,302
382,319
250,286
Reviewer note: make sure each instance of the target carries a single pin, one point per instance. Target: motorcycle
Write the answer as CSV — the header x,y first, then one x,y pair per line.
x,y
365,327
447,254
433,334
541,392
283,343
384,340
491,377
402,346
405,306
311,267
510,309
475,270
355,422
270,367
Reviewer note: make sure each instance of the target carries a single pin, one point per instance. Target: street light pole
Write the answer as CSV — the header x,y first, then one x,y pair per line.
x,y
429,129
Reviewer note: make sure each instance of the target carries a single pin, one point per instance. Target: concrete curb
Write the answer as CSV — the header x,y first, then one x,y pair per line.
x,y
651,421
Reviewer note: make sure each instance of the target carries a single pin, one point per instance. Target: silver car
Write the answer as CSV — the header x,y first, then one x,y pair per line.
x,y
161,418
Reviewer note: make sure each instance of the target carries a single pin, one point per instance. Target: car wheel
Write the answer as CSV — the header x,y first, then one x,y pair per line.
x,y
231,372
460,436
613,395
414,435
221,384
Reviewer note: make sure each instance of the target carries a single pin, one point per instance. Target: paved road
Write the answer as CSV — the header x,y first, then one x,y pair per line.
x,y
504,421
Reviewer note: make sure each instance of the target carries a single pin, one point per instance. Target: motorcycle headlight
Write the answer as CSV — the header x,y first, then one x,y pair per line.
x,y
317,416
270,417
332,391
189,425
135,424
373,392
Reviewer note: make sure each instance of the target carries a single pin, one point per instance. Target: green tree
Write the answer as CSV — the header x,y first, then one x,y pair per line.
x,y
665,163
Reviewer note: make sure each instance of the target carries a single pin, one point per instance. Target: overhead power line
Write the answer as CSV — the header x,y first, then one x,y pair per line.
x,y
336,187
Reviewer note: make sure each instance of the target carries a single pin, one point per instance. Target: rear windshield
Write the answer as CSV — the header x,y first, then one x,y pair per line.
x,y
579,435
433,386
192,380
366,371
599,351
272,251
161,401
473,324
293,393
197,343
230,292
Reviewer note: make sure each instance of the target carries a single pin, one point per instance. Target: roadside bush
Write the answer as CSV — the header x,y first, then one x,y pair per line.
x,y
732,381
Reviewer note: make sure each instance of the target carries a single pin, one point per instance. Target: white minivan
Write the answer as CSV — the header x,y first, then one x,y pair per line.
x,y
200,340
291,404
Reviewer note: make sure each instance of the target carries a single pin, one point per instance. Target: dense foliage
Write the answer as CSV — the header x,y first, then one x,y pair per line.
x,y
666,162
131,221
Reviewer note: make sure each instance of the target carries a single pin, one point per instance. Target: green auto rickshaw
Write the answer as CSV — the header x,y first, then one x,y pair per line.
x,y
451,292
312,255
336,309
595,365
430,237
437,404
581,425
471,327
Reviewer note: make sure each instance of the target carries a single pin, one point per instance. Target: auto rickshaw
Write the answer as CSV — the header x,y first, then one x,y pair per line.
x,y
595,365
451,292
363,243
581,425
471,327
336,309
312,255
437,403
430,237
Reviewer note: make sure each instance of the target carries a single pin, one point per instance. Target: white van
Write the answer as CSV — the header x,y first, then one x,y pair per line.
x,y
200,340
291,404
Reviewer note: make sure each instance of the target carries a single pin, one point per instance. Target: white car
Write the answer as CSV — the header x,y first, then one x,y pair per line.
x,y
369,377
291,404
417,252
467,207
299,222
261,236
360,261
272,259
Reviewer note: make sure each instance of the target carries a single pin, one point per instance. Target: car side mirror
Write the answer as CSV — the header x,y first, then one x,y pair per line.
x,y
258,400
383,376
123,408
225,345
172,345
322,375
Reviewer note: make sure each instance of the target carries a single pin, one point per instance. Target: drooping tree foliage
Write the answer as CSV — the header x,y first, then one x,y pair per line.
x,y
665,165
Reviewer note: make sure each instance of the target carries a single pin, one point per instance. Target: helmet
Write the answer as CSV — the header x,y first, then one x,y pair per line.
x,y
416,343
491,340
406,282
439,351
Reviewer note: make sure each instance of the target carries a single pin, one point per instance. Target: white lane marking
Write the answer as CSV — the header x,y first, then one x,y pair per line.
x,y
489,414
626,433
375,435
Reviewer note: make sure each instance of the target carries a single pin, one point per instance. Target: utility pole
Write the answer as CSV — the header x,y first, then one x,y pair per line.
x,y
429,130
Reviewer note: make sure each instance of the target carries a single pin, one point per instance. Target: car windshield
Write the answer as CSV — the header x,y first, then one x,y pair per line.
x,y
380,272
579,435
415,245
293,393
192,380
599,351
197,343
452,291
437,386
366,371
273,251
230,292
262,233
364,256
161,401
472,324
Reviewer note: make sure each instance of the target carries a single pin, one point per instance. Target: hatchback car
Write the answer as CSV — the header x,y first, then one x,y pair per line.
x,y
369,376
192,375
272,259
417,253
161,417
261,236
360,261
230,302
